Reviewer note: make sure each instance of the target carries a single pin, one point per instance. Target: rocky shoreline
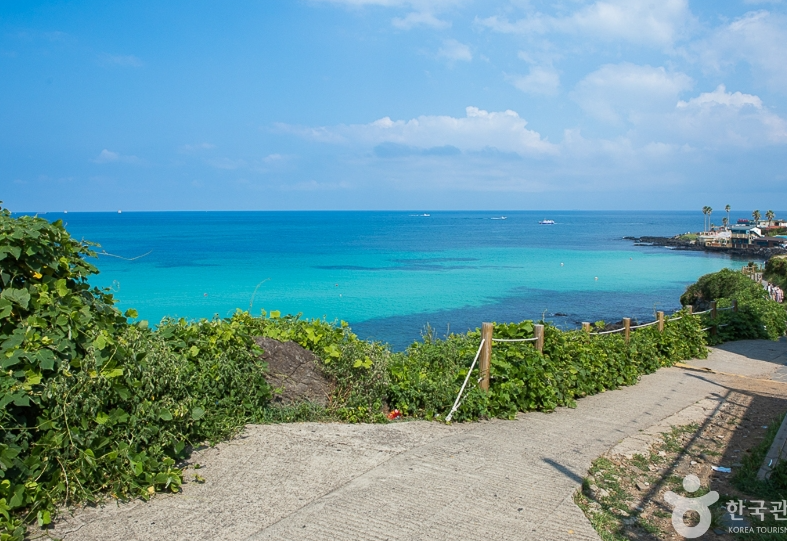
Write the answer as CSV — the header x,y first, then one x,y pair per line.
x,y
677,243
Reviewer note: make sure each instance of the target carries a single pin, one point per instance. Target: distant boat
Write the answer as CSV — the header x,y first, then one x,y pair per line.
x,y
420,215
500,218
547,222
120,212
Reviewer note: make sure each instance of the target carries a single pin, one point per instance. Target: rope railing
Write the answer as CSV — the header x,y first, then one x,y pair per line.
x,y
645,325
607,332
462,390
483,356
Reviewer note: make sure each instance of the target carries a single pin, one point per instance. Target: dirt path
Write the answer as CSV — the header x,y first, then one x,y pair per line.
x,y
418,480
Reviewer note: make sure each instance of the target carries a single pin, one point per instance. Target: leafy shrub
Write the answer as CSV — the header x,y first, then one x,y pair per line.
x,y
755,319
776,271
727,284
427,377
90,404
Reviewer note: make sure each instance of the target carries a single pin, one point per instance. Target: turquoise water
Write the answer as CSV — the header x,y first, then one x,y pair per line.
x,y
391,273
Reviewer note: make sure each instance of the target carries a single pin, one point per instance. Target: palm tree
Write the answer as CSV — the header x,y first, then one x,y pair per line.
x,y
756,216
727,208
770,216
705,217
710,211
725,221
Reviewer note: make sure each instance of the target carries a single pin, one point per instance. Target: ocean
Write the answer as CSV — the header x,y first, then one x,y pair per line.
x,y
390,274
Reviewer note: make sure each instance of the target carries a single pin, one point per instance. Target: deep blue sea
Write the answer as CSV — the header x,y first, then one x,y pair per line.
x,y
389,274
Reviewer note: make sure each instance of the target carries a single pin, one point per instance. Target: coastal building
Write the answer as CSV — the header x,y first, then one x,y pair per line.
x,y
769,242
741,236
715,239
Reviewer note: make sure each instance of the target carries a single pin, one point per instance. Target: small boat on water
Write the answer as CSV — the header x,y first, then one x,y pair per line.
x,y
547,222
500,218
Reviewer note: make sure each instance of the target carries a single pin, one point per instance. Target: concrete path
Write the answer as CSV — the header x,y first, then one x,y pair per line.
x,y
507,480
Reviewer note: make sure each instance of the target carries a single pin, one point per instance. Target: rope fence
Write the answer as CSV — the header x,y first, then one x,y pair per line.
x,y
607,332
649,324
458,400
484,355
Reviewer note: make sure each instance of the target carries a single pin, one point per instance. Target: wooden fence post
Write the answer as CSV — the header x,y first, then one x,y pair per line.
x,y
661,321
538,332
627,329
486,354
735,305
713,309
586,326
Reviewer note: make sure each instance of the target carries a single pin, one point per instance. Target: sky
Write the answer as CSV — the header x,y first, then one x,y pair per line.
x,y
392,104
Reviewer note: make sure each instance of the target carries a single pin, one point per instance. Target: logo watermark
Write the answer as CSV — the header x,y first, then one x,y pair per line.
x,y
735,522
682,505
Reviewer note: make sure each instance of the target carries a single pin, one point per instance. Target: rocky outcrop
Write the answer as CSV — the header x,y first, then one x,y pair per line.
x,y
294,373
677,243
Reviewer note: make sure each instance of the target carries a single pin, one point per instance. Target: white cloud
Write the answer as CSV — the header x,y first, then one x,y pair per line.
x,y
422,12
273,158
314,186
636,21
199,147
226,163
616,92
121,60
720,96
419,18
108,156
478,130
759,39
724,118
454,51
421,5
540,80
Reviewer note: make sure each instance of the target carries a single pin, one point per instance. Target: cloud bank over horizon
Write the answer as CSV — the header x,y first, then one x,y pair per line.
x,y
376,104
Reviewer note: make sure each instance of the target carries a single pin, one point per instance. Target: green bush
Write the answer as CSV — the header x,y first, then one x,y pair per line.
x,y
90,404
776,271
427,377
725,284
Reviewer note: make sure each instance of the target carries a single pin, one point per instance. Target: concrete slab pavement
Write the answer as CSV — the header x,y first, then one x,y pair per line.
x,y
413,480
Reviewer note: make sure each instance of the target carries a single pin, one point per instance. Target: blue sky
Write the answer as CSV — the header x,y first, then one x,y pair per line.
x,y
393,104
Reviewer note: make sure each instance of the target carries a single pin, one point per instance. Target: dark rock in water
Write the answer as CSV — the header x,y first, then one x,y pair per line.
x,y
294,373
560,314
677,243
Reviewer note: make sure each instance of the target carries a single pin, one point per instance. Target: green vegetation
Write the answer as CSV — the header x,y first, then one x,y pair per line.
x,y
777,231
745,478
757,315
725,284
776,271
95,405
91,405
